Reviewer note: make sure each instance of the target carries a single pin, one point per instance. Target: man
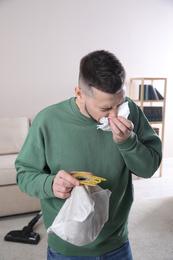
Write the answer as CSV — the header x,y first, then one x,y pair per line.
x,y
64,139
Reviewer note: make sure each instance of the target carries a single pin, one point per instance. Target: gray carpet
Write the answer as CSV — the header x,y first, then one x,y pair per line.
x,y
150,233
19,251
151,229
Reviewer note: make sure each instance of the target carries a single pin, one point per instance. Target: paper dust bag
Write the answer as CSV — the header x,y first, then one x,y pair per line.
x,y
83,215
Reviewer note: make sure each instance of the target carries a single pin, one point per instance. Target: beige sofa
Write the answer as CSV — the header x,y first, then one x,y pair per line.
x,y
13,132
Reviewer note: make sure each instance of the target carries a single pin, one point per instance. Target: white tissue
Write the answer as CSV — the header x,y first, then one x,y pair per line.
x,y
123,110
104,124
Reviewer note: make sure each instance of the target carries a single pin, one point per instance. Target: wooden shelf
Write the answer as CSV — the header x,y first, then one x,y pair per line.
x,y
150,103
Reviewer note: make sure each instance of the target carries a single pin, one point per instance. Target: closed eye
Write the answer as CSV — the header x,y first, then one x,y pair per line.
x,y
105,109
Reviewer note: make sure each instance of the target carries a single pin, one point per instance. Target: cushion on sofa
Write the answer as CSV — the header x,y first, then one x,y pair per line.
x,y
31,119
7,161
7,177
7,169
13,132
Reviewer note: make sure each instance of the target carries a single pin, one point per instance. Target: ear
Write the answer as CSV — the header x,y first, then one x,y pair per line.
x,y
79,94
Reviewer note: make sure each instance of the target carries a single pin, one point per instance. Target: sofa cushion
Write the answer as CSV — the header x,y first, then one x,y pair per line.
x,y
7,161
31,119
7,177
13,132
7,169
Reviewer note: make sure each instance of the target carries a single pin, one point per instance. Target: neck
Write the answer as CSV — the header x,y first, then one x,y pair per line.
x,y
84,110
77,103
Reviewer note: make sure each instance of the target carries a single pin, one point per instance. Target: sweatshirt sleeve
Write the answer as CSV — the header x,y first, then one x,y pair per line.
x,y
33,174
142,152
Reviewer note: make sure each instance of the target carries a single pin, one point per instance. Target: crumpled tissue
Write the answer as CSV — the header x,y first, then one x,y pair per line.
x,y
83,215
123,110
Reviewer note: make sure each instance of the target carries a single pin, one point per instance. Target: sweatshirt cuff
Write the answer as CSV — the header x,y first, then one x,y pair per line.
x,y
48,186
129,143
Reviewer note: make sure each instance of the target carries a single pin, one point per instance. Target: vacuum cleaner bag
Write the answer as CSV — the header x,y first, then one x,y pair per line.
x,y
83,215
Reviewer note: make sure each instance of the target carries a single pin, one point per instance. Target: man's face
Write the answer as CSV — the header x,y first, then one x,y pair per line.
x,y
101,104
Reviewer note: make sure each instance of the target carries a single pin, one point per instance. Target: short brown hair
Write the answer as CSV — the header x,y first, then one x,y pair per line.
x,y
103,71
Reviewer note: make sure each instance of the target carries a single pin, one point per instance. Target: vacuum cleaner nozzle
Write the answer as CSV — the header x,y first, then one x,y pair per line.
x,y
19,236
26,235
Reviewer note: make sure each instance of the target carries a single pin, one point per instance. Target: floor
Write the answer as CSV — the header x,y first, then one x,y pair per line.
x,y
155,187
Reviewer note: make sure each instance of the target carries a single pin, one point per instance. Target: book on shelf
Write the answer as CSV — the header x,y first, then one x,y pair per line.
x,y
153,113
153,93
146,92
150,93
159,95
156,129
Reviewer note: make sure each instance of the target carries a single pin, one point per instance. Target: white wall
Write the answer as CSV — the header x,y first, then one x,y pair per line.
x,y
42,42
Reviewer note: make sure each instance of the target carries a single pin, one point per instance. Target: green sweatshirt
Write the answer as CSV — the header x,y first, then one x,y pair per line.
x,y
62,138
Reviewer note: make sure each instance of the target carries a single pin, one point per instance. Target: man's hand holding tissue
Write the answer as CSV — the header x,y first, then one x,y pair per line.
x,y
121,128
63,184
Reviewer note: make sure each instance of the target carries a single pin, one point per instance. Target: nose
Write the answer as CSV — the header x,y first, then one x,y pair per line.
x,y
113,113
